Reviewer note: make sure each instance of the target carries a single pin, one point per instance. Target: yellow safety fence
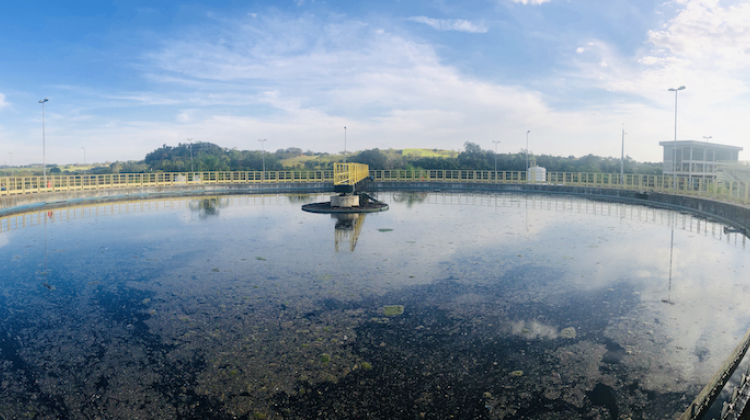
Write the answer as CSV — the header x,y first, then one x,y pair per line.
x,y
738,192
735,191
349,173
36,184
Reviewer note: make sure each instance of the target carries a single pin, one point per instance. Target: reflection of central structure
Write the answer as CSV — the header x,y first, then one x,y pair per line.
x,y
347,178
348,226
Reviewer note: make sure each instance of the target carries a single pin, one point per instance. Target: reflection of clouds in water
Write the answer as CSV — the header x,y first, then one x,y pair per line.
x,y
689,339
534,330
4,239
482,243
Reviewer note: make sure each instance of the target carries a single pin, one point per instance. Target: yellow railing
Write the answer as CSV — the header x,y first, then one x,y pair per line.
x,y
35,184
738,192
349,173
735,191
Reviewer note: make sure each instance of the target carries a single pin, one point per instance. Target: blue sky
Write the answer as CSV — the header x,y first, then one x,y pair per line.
x,y
124,77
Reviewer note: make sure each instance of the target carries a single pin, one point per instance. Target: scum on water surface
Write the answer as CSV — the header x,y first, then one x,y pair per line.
x,y
497,306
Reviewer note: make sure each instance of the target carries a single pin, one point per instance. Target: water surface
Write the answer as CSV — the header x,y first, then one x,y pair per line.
x,y
514,306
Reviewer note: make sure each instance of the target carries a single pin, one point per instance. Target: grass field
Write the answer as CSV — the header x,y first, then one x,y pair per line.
x,y
419,153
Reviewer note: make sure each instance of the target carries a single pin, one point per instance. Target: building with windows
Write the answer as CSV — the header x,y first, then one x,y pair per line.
x,y
696,159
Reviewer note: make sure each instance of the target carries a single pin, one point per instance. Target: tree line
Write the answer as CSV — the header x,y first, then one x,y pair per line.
x,y
473,157
204,156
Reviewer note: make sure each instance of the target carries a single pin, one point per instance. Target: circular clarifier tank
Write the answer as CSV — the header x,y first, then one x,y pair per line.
x,y
464,305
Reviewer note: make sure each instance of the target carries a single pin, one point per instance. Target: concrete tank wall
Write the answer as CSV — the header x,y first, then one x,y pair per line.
x,y
22,202
732,214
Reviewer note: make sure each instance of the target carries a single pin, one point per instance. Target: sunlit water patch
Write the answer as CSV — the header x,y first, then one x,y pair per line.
x,y
447,306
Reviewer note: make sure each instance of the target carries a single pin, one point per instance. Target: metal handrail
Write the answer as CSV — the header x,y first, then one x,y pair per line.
x,y
349,173
732,191
12,185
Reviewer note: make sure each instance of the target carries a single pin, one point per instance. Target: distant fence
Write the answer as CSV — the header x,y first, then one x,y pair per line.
x,y
735,191
36,184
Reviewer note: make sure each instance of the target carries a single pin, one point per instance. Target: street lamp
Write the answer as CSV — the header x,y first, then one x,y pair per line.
x,y
527,152
496,143
344,144
262,145
11,160
706,138
622,157
192,168
44,153
84,162
674,151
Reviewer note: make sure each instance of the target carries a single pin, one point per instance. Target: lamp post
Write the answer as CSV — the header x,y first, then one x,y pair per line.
x,y
344,144
527,152
622,157
11,160
496,143
192,168
84,162
263,146
674,151
44,153
706,138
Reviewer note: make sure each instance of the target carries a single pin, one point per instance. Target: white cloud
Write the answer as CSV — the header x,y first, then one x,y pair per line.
x,y
313,78
3,103
451,24
185,116
702,46
530,1
300,79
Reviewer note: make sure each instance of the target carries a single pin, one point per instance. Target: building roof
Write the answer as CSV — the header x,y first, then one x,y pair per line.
x,y
696,143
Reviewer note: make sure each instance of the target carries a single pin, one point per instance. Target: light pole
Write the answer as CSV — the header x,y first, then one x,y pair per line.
x,y
496,143
84,162
44,153
262,145
11,160
706,138
344,144
674,151
622,157
527,152
192,168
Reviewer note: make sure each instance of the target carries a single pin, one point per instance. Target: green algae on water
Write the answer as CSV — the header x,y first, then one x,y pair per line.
x,y
366,366
516,373
385,230
324,358
393,310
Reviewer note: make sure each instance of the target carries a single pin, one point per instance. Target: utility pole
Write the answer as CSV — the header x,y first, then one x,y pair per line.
x,y
44,148
527,152
192,168
674,151
344,144
262,144
622,157
496,143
